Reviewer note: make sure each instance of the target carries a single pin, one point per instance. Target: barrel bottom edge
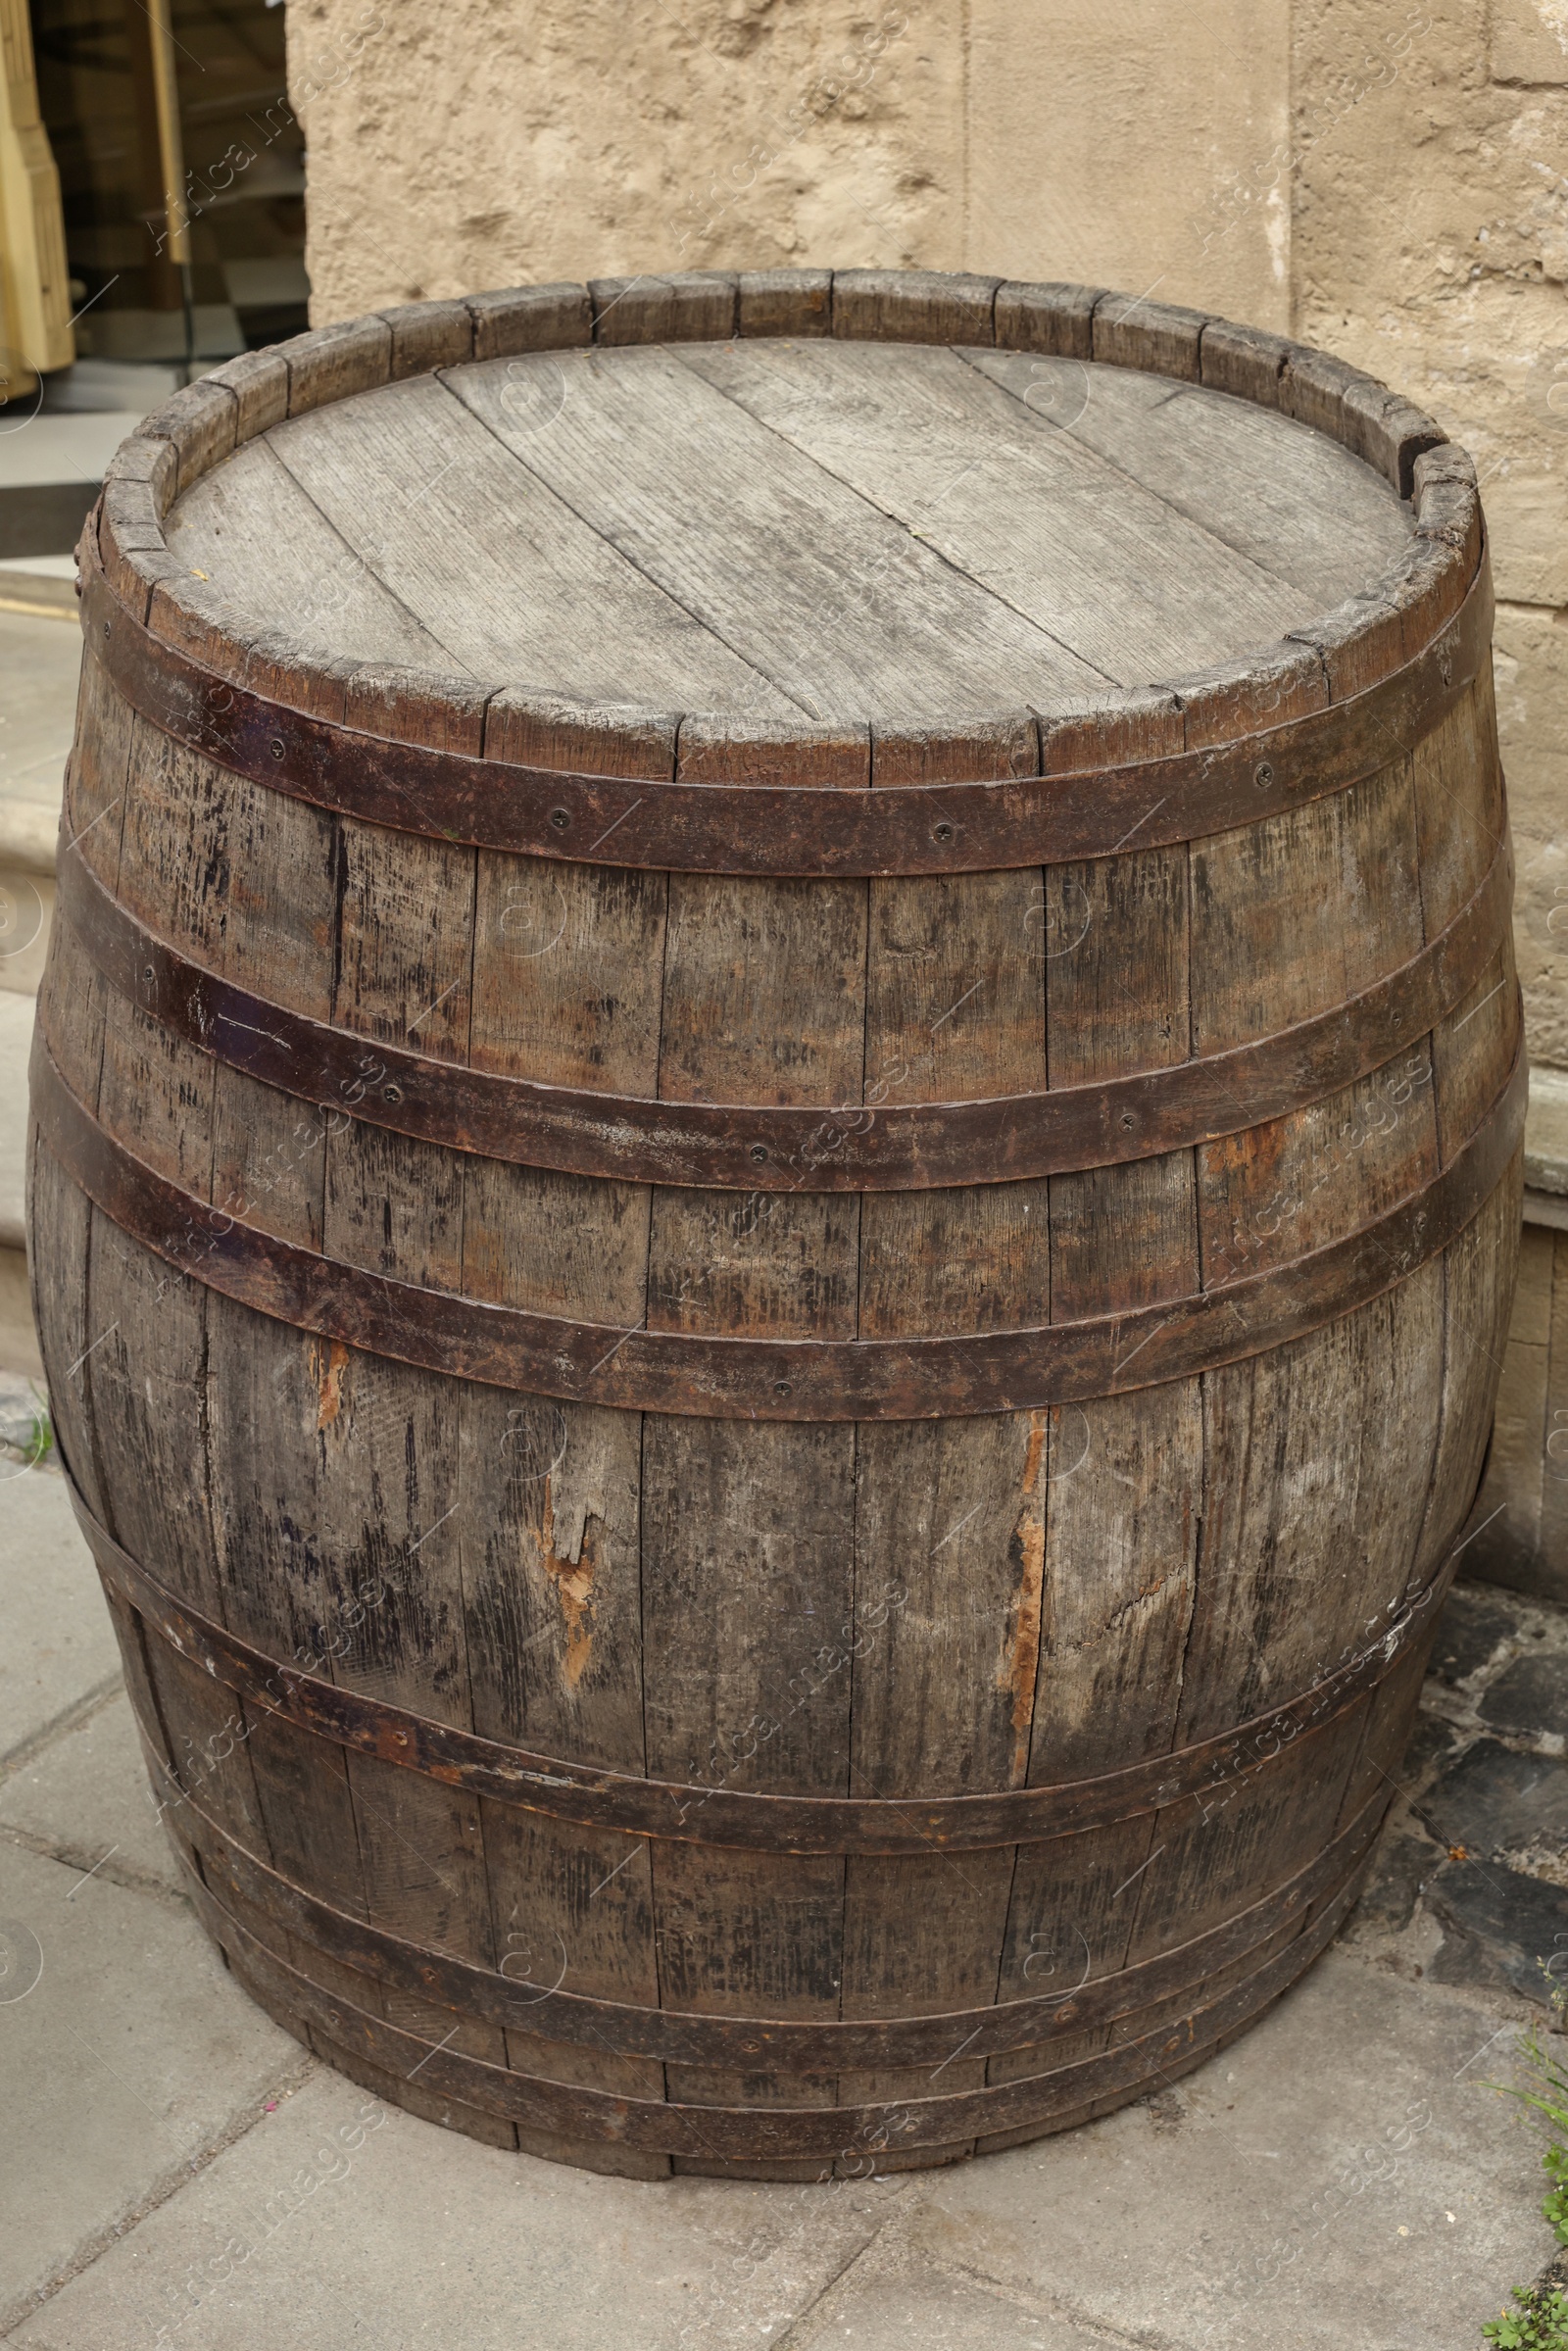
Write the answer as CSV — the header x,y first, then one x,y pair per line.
x,y
629,2163
448,2114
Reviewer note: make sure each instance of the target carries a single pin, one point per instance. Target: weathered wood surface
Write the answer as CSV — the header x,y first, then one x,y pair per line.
x,y
793,557
818,527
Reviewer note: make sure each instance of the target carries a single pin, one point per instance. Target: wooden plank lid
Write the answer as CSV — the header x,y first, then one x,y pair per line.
x,y
834,531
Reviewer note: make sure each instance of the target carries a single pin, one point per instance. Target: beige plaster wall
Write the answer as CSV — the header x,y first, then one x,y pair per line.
x,y
485,142
1133,144
1384,176
1430,245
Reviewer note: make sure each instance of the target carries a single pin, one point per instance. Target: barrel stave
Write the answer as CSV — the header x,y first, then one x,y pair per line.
x,y
763,998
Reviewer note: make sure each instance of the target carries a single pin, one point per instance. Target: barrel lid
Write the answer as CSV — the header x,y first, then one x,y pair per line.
x,y
801,512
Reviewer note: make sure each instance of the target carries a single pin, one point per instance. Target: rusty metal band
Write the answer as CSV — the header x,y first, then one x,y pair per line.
x,y
722,1815
772,1378
759,2133
759,1148
957,828
232,1872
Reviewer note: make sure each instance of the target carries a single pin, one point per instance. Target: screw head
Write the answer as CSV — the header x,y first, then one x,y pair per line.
x,y
560,819
942,833
106,629
277,746
1128,1120
391,1093
1263,775
759,1153
781,1388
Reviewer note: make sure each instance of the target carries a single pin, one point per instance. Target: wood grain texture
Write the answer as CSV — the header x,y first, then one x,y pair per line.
x,y
785,302
1054,318
757,1697
913,306
500,572
1259,522
857,616
241,523
1291,502
1130,587
1140,333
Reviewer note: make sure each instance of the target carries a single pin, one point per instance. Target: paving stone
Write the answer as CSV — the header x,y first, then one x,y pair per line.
x,y
336,2222
1402,1864
57,1645
126,2051
889,2304
1493,1799
1474,1624
86,1797
1528,1695
1501,1929
1291,2195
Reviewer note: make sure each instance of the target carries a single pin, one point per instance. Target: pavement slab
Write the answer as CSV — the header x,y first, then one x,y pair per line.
x,y
85,1800
891,2301
1338,2179
1532,1690
337,2221
126,2053
57,1645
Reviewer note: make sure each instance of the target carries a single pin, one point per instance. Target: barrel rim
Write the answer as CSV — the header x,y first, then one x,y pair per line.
x,y
485,797
1371,632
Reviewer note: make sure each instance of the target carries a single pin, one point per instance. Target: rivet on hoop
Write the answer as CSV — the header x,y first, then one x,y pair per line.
x,y
1263,775
560,819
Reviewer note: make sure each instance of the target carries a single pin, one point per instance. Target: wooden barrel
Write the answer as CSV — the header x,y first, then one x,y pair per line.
x,y
776,1179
